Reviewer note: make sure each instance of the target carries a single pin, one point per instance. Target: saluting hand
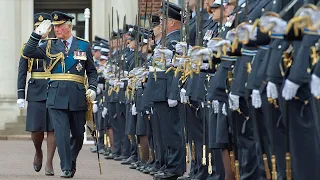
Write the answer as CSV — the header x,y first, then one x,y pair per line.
x,y
43,27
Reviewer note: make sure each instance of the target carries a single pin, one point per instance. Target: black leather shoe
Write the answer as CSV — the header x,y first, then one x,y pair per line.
x,y
66,174
93,150
166,175
111,156
120,158
129,160
37,167
184,178
73,169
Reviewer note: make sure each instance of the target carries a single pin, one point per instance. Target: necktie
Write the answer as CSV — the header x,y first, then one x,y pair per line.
x,y
65,45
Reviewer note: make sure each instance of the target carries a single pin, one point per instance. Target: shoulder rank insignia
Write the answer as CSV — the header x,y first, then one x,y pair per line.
x,y
81,39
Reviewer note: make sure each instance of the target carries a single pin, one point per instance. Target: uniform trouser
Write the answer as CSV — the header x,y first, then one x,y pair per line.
x,y
172,137
215,156
134,147
303,140
150,141
115,129
64,122
246,145
157,137
193,128
261,138
276,134
202,139
121,125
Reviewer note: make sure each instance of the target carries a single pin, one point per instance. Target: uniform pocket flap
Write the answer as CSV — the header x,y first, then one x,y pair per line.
x,y
81,87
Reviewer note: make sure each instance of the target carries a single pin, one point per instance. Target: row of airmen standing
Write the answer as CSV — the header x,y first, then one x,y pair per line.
x,y
242,105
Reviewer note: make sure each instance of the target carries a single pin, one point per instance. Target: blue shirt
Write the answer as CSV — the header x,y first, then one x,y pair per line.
x,y
69,41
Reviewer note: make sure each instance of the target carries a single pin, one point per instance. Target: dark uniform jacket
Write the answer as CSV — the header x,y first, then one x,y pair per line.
x,y
37,88
66,94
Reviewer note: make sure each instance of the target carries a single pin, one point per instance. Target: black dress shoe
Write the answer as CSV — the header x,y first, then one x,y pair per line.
x,y
184,178
37,167
111,156
73,169
120,158
66,174
102,151
154,171
94,150
129,160
167,176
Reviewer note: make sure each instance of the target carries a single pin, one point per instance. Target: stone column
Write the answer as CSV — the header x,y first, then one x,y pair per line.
x,y
101,10
18,17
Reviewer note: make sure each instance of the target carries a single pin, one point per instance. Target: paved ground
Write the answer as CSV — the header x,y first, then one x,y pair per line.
x,y
16,164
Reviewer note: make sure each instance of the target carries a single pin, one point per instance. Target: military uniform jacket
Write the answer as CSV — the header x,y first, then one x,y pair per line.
x,y
62,94
193,26
161,88
37,88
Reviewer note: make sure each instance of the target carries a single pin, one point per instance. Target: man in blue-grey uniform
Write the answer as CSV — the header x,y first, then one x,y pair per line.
x,y
71,60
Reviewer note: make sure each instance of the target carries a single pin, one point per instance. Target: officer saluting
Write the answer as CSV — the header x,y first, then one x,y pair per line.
x,y
37,121
68,57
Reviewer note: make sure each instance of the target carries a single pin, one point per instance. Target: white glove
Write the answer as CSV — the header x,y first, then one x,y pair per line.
x,y
98,90
246,29
111,82
104,112
224,111
231,35
95,108
233,102
180,46
183,97
272,91
121,84
20,103
147,112
134,110
43,27
315,84
180,61
206,53
215,106
158,52
224,42
172,103
91,94
313,14
289,90
256,99
212,45
280,24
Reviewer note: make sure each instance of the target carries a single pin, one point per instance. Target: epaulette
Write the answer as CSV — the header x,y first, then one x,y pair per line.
x,y
81,39
23,46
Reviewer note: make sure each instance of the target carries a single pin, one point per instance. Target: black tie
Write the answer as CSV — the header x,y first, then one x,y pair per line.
x,y
65,45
